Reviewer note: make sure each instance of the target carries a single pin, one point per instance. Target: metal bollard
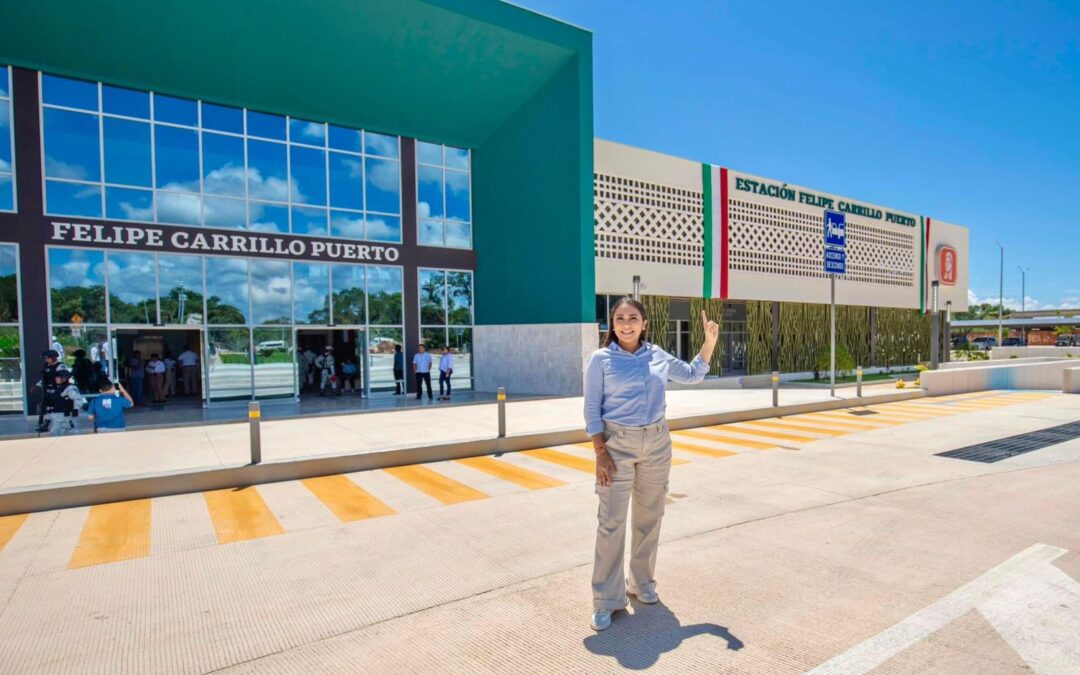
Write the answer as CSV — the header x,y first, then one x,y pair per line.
x,y
858,381
254,415
775,389
502,411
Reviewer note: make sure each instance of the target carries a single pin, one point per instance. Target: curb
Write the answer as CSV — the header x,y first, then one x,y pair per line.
x,y
29,500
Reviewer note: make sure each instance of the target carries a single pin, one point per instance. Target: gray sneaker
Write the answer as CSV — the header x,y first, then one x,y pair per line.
x,y
601,619
648,597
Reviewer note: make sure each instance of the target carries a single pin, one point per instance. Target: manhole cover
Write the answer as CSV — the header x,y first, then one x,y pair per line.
x,y
1004,448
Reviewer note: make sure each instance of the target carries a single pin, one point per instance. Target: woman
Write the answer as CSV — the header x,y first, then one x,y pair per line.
x,y
624,414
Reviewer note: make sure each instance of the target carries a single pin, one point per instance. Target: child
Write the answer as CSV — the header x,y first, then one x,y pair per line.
x,y
62,404
107,410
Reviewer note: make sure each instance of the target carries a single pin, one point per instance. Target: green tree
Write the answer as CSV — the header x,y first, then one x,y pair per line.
x,y
980,312
844,361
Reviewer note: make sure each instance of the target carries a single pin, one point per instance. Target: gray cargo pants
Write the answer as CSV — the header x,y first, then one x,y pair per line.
x,y
642,458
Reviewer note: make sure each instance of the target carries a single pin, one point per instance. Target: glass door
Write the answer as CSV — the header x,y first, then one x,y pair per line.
x,y
274,372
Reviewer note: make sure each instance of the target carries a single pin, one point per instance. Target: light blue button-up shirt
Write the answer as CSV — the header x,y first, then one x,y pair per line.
x,y
630,389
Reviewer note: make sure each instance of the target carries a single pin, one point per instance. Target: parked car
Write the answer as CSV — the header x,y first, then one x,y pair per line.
x,y
269,345
984,343
1065,341
959,341
1013,342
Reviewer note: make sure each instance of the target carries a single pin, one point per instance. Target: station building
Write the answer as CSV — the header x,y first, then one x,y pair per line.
x,y
256,181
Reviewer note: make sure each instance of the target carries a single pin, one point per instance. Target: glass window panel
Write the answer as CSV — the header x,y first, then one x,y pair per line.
x,y
310,133
381,144
9,285
457,158
459,298
274,368
127,102
457,196
175,110
222,118
265,125
5,72
349,294
432,297
347,224
132,296
72,145
271,285
7,194
311,293
267,173
433,338
380,348
70,93
5,137
224,212
458,234
382,178
384,295
176,158
460,340
383,228
129,204
226,290
229,369
223,165
346,139
178,209
82,337
77,285
268,217
180,287
429,153
309,221
308,167
431,233
429,192
127,152
346,181
73,199
11,368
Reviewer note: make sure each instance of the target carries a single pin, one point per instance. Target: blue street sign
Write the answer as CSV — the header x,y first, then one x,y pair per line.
x,y
835,260
835,229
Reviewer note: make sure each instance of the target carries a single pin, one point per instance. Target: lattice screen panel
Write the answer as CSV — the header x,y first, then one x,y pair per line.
x,y
782,241
648,222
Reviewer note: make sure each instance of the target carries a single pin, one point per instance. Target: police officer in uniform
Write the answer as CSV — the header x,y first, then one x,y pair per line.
x,y
328,374
47,384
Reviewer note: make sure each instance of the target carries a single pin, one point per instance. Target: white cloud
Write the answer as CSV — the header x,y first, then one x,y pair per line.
x,y
384,174
377,144
1029,303
54,168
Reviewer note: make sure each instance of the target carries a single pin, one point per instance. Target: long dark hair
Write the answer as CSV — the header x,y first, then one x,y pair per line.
x,y
627,300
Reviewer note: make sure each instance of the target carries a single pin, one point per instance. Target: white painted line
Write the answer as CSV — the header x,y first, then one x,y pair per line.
x,y
1006,580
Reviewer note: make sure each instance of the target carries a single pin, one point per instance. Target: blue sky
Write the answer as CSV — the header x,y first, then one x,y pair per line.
x,y
968,112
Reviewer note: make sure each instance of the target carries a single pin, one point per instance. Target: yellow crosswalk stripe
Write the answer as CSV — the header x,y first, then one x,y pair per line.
x,y
870,420
530,480
563,459
345,499
113,532
446,490
767,434
9,525
239,514
784,424
712,435
831,423
701,449
675,461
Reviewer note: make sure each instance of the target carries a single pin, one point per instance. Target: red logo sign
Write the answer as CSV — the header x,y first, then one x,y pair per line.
x,y
947,265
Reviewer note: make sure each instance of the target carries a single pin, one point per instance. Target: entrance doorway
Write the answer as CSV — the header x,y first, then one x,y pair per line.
x,y
350,370
184,386
733,338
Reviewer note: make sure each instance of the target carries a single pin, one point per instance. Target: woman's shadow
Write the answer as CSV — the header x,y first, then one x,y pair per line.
x,y
638,640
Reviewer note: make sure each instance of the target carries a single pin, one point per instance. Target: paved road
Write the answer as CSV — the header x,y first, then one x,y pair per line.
x,y
828,540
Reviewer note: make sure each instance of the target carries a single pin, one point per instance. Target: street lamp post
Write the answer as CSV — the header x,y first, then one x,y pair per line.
x,y
1001,293
637,287
935,327
1023,296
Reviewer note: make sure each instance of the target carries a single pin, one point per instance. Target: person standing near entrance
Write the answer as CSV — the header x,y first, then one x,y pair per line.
x,y
189,370
399,370
170,374
625,387
62,404
327,372
155,368
47,384
421,366
136,373
446,368
308,358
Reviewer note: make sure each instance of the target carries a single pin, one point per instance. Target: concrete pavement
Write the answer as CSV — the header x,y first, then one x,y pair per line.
x,y
775,559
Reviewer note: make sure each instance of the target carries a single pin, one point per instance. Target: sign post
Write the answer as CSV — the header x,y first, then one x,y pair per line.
x,y
835,263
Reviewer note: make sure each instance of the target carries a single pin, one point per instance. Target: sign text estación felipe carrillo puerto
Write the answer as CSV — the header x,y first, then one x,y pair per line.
x,y
219,242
